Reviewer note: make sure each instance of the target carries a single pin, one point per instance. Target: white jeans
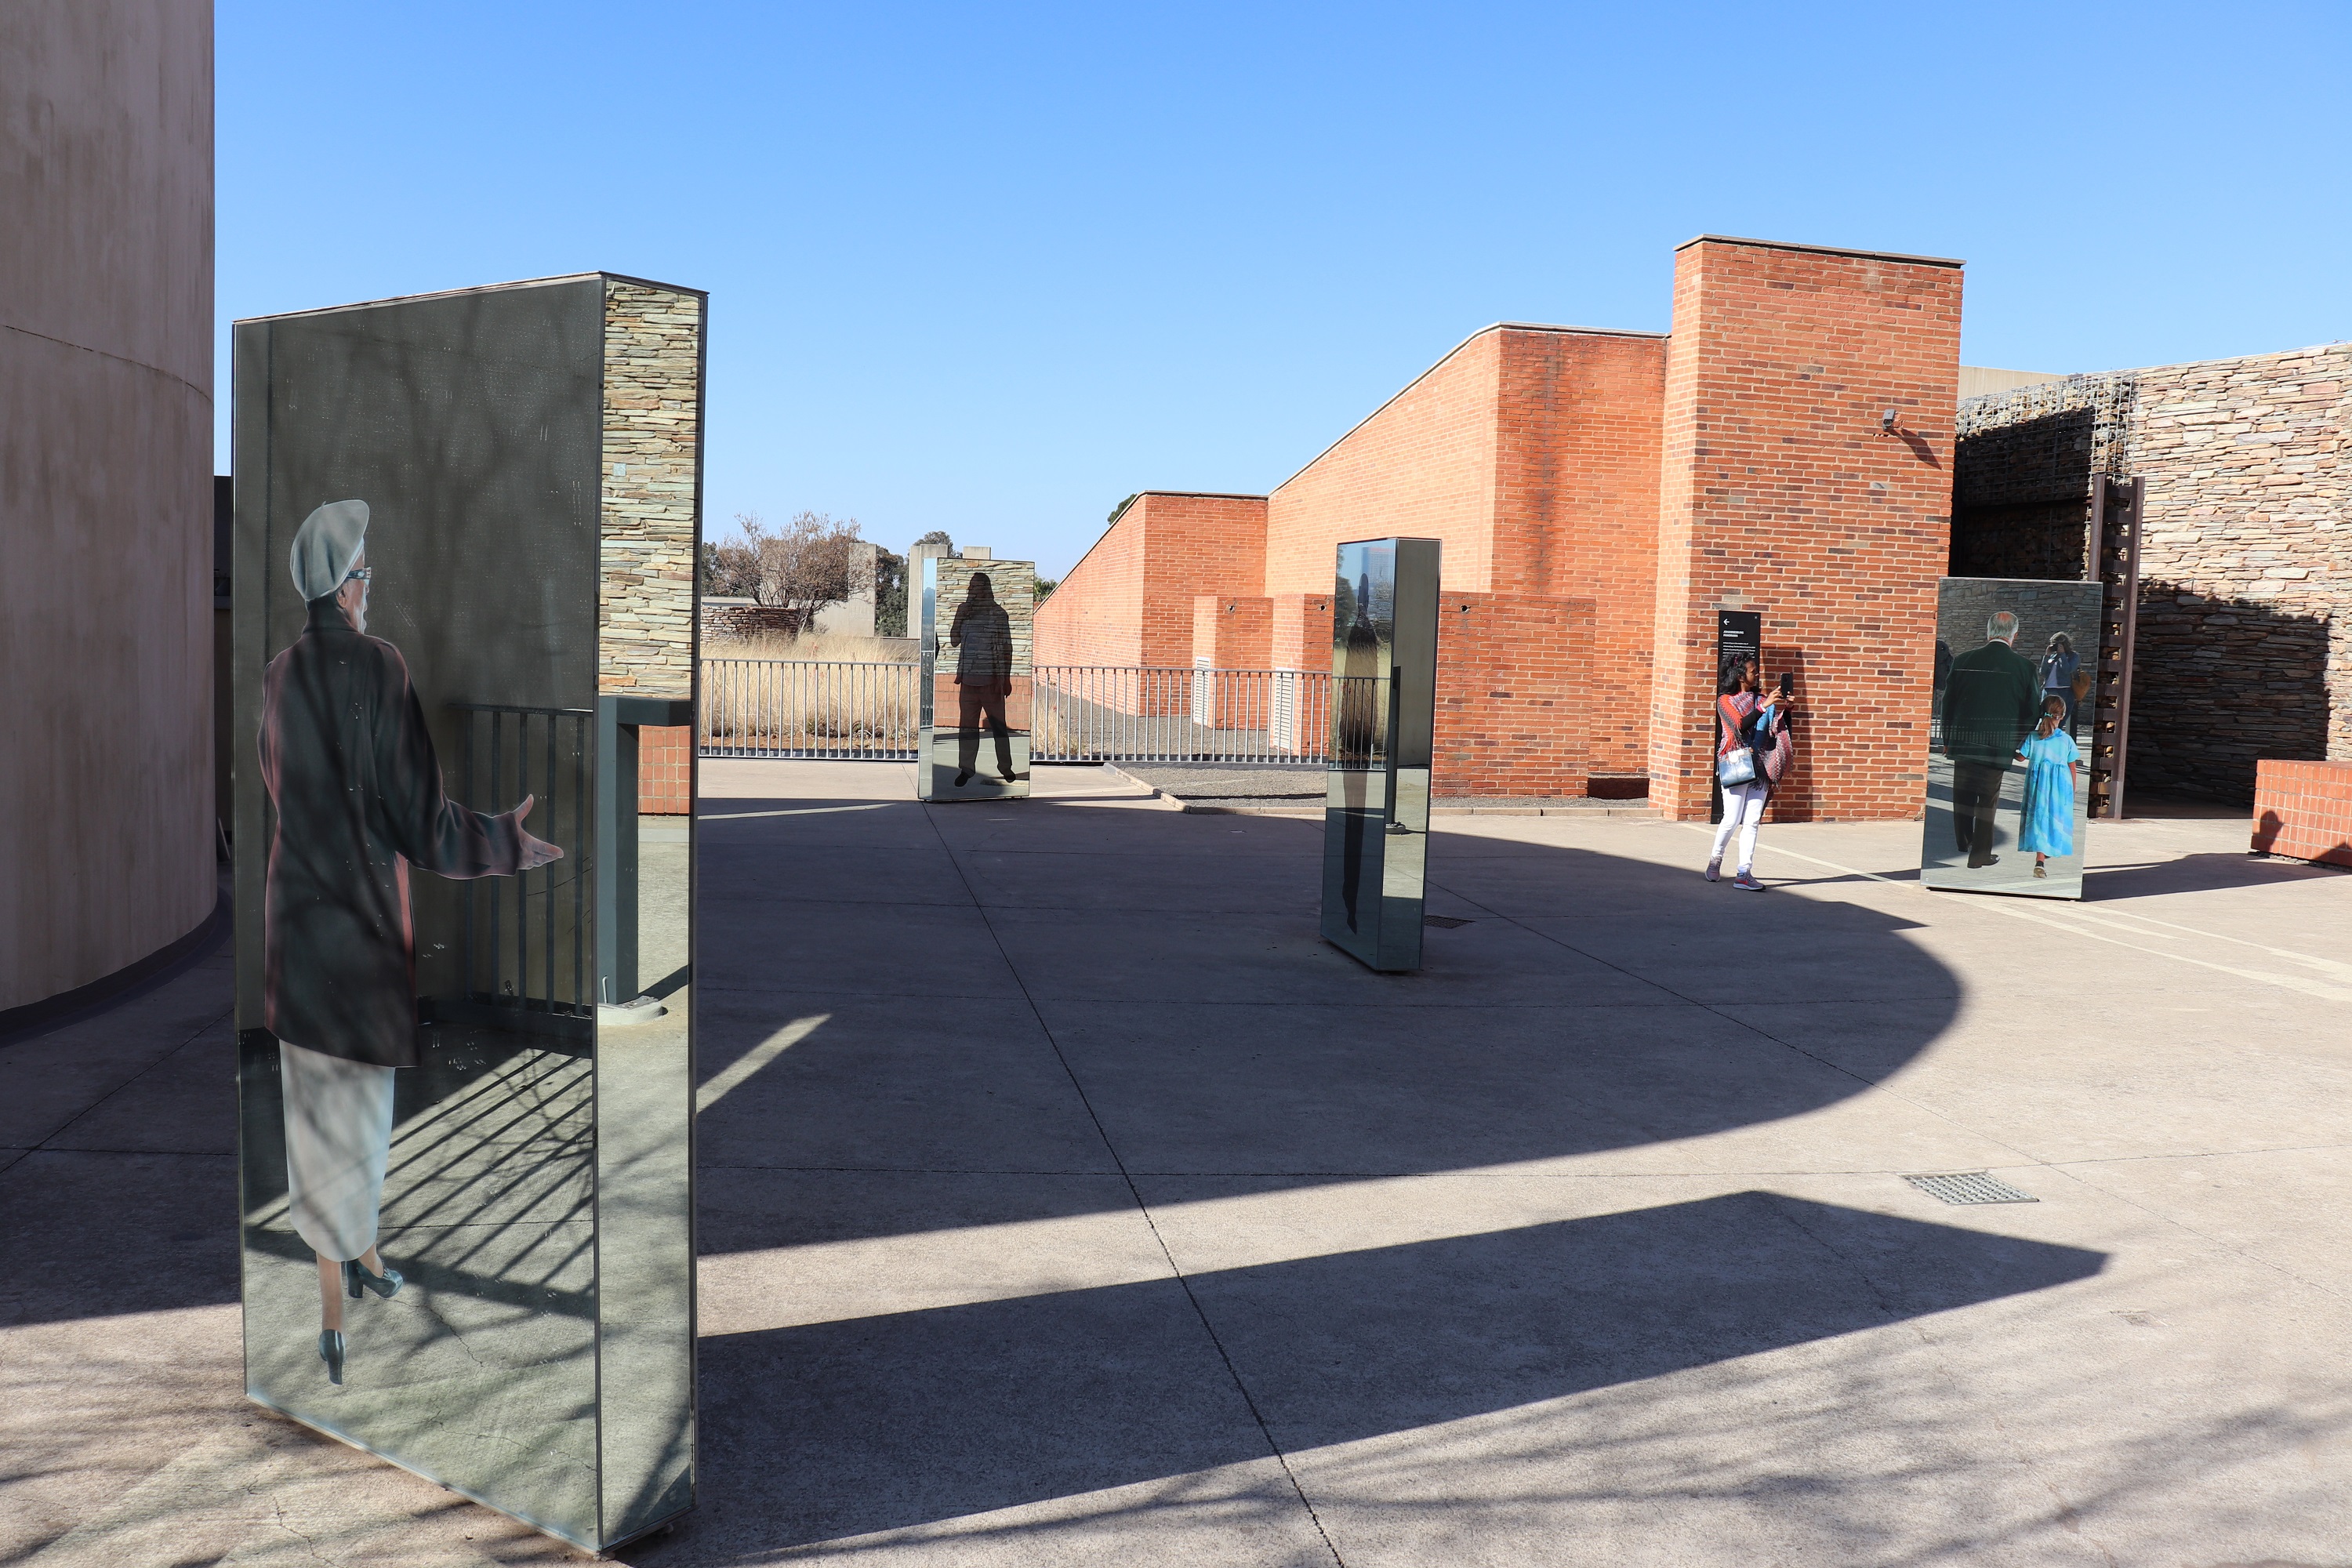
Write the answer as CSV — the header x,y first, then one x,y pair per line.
x,y
1743,809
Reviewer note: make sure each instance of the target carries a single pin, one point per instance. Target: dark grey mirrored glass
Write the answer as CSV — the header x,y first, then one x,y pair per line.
x,y
463,955
976,693
2008,763
1383,712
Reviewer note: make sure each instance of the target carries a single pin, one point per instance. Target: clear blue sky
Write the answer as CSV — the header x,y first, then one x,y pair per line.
x,y
991,267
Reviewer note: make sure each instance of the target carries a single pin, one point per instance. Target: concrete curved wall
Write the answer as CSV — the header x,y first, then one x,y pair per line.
x,y
106,435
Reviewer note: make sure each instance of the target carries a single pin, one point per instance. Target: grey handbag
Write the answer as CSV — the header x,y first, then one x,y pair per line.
x,y
1736,766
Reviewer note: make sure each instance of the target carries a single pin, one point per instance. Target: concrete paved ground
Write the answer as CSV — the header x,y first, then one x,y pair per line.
x,y
1064,1200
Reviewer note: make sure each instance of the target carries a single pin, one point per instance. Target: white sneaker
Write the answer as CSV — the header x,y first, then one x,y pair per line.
x,y
1715,868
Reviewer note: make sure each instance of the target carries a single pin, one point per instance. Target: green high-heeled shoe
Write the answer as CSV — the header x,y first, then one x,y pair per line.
x,y
357,1278
330,1351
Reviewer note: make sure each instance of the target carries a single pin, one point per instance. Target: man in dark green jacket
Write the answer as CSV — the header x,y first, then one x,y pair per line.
x,y
1993,698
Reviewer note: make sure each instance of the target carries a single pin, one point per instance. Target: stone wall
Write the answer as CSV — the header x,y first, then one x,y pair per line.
x,y
728,622
652,488
2246,563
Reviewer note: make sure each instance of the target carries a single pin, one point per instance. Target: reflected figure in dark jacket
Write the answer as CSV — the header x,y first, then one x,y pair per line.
x,y
351,772
982,634
1994,696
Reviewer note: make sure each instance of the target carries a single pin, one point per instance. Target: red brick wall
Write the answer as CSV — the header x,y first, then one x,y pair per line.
x,y
1576,507
2302,809
1512,673
666,770
1777,487
1128,601
1422,466
1233,632
1301,637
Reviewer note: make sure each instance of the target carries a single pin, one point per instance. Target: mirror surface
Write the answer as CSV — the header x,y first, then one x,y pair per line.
x,y
2008,775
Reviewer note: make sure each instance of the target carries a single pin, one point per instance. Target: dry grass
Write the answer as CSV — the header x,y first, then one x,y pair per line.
x,y
833,647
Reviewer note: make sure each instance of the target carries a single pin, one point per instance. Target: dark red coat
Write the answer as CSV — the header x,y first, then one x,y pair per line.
x,y
351,769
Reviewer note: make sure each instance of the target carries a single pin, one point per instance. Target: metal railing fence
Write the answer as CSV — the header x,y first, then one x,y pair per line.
x,y
1076,714
808,708
1111,714
523,947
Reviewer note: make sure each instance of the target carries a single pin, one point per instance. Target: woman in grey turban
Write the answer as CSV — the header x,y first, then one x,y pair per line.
x,y
351,772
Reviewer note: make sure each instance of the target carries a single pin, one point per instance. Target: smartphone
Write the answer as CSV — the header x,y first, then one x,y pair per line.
x,y
1788,683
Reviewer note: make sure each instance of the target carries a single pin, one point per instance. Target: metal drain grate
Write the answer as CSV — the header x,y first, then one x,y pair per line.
x,y
1448,921
1970,1187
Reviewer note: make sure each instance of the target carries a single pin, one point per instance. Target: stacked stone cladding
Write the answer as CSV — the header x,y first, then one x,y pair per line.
x,y
1781,495
651,488
724,623
1014,586
2244,646
2021,475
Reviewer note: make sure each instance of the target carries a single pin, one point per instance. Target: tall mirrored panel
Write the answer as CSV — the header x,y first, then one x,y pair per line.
x,y
467,530
975,698
1383,716
2008,775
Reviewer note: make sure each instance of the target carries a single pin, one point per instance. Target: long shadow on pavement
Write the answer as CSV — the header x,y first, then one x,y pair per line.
x,y
840,1428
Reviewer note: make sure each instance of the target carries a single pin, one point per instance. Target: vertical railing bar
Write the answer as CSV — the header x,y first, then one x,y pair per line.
x,y
578,861
497,947
467,989
547,873
522,903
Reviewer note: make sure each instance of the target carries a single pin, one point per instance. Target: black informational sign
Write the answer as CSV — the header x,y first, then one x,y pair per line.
x,y
1737,633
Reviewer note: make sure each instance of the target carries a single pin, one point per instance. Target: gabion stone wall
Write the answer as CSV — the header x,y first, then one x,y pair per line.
x,y
2245,615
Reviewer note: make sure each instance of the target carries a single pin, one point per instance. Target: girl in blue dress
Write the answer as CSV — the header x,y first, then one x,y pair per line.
x,y
2050,758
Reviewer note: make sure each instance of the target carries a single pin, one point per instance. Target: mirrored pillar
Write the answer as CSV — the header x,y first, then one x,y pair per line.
x,y
1383,719
975,700
467,530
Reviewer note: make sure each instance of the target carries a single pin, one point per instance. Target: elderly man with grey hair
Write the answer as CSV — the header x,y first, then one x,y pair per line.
x,y
1992,698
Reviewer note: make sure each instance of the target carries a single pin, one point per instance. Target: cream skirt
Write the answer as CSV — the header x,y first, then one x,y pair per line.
x,y
338,1135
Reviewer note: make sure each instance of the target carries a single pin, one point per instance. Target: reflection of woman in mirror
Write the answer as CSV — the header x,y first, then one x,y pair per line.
x,y
2051,760
982,634
2059,663
1358,720
1360,696
351,775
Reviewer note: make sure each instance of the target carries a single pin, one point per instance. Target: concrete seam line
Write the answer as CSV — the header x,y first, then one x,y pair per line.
x,y
1216,1343
160,1059
1994,906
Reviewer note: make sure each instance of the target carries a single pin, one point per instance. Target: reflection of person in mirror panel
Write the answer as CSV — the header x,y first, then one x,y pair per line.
x,y
2050,759
982,634
351,775
1994,699
2059,664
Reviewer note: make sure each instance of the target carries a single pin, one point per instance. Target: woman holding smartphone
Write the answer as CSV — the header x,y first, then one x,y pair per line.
x,y
1752,721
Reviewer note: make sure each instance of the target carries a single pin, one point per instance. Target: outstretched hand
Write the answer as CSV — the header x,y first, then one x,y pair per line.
x,y
536,852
